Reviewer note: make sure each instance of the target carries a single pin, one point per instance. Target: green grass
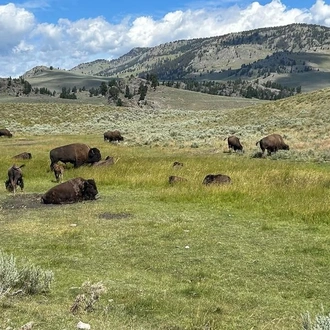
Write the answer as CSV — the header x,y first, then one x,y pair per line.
x,y
250,255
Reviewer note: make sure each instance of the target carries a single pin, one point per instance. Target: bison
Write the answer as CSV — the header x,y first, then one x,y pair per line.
x,y
174,179
15,178
234,143
76,153
216,179
113,136
272,143
107,161
23,155
71,191
5,132
58,170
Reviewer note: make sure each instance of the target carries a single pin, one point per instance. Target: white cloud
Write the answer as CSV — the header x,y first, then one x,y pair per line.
x,y
15,23
24,43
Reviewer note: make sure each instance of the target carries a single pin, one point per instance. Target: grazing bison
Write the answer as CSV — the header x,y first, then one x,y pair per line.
x,y
76,153
216,179
58,170
23,155
107,161
234,143
71,191
174,179
113,136
15,178
272,143
5,132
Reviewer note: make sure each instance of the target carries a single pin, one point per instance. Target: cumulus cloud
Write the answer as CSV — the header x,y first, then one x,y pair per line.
x,y
15,24
25,43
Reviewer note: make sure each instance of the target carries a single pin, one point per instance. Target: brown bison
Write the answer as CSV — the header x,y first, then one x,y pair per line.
x,y
58,170
76,153
71,191
113,136
216,179
107,161
234,143
174,179
23,155
272,143
5,132
15,178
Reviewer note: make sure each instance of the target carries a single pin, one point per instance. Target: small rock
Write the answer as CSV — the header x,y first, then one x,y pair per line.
x,y
82,325
27,326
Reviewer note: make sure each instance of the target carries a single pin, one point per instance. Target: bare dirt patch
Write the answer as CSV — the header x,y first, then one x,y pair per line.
x,y
22,201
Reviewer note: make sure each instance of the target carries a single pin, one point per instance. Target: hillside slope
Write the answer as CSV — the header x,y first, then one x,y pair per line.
x,y
268,53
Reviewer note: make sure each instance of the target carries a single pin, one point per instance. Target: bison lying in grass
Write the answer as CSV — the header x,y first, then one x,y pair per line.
x,y
71,191
216,179
23,155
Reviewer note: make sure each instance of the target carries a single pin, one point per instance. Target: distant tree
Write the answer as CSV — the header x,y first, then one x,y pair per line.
x,y
119,102
103,88
142,91
128,93
51,67
27,88
112,82
74,89
113,93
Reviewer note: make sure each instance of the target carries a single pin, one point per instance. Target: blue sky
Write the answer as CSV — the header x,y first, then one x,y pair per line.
x,y
65,33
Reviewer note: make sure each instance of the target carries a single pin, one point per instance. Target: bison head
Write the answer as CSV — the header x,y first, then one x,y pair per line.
x,y
94,155
89,190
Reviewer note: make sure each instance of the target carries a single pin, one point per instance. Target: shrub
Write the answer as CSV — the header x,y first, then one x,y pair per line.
x,y
28,279
321,322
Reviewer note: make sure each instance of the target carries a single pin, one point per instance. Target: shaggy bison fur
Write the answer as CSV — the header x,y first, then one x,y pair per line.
x,y
76,153
234,143
5,132
23,155
58,170
71,191
15,178
216,179
272,143
113,136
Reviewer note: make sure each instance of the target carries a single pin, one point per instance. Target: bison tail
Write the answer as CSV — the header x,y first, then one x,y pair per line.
x,y
257,142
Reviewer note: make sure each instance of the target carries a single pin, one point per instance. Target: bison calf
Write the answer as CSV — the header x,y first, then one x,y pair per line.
x,y
71,191
58,172
15,178
216,179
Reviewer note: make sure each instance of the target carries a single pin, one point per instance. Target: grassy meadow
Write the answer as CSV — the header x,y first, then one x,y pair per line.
x,y
250,255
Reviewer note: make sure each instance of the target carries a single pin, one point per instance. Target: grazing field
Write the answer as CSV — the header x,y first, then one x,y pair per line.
x,y
253,254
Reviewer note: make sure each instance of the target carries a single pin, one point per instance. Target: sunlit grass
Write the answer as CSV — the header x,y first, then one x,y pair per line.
x,y
251,254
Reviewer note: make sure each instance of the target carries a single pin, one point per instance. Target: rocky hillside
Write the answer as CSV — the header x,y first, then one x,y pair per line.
x,y
285,50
